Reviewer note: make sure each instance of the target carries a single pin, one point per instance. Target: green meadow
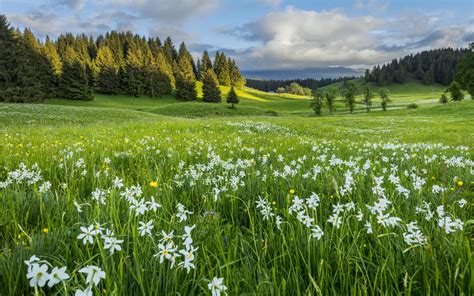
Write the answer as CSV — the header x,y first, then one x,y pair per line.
x,y
280,202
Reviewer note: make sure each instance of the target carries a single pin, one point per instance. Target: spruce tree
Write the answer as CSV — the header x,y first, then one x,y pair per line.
x,y
185,79
465,72
19,78
40,68
51,53
74,81
165,68
133,82
206,63
236,78
210,87
107,78
232,98
455,90
221,68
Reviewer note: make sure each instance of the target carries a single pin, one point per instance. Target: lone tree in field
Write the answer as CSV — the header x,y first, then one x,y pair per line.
x,y
465,72
349,91
368,95
330,96
443,99
317,101
384,96
210,87
455,90
232,98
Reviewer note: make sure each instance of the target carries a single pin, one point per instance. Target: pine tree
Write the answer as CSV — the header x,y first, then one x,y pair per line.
x,y
107,72
221,68
236,78
185,79
368,97
74,82
455,90
465,72
210,87
165,68
19,81
232,98
205,63
41,71
51,53
443,99
134,85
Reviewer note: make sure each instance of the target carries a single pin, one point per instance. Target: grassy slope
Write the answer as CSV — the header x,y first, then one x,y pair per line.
x,y
449,124
258,103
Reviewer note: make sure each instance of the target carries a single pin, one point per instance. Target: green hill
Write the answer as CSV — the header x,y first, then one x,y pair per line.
x,y
259,103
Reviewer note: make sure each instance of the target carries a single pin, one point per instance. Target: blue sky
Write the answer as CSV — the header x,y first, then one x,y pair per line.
x,y
266,34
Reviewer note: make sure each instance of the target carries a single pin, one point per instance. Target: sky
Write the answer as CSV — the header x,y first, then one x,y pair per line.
x,y
265,34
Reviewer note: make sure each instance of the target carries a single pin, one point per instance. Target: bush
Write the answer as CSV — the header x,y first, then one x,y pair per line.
x,y
412,106
443,99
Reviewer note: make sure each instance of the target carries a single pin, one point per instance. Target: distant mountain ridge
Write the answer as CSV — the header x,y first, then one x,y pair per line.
x,y
315,73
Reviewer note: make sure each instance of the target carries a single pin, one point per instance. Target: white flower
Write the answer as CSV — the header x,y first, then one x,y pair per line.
x,y
217,287
38,275
145,228
94,274
462,202
86,292
152,205
187,239
45,187
188,256
112,244
313,201
87,234
166,251
368,225
317,232
335,220
29,263
57,275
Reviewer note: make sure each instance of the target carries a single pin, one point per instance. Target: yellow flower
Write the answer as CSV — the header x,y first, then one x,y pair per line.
x,y
45,230
153,184
460,183
292,191
274,203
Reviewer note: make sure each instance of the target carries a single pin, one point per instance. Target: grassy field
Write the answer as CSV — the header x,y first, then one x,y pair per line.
x,y
257,103
165,196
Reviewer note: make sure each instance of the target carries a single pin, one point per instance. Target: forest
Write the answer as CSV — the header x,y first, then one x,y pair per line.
x,y
76,67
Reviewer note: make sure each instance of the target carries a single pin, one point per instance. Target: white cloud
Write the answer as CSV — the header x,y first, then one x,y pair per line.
x,y
73,4
294,38
297,38
177,11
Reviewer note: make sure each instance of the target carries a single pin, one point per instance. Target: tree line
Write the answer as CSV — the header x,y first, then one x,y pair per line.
x,y
432,66
279,85
76,67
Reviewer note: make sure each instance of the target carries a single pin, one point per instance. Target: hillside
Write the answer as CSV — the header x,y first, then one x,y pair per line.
x,y
258,103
